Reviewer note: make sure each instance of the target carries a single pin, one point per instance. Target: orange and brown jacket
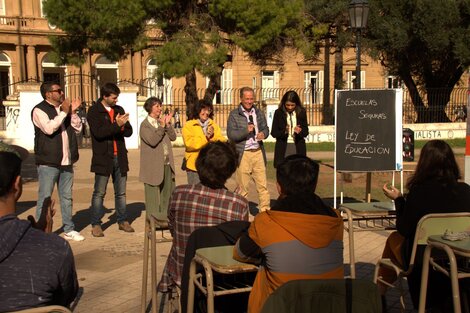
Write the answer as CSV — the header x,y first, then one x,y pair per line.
x,y
299,238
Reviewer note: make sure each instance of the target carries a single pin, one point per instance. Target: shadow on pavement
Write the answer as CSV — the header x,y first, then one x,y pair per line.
x,y
134,211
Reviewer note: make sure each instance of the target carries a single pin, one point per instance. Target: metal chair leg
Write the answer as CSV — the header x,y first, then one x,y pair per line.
x,y
153,252
143,298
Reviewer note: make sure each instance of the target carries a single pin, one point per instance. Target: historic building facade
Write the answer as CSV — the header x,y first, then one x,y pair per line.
x,y
24,55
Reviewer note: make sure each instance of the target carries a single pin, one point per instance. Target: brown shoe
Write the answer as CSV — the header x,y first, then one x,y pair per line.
x,y
96,231
125,226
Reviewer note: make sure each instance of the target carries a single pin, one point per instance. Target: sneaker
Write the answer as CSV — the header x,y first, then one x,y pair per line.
x,y
125,226
74,235
96,231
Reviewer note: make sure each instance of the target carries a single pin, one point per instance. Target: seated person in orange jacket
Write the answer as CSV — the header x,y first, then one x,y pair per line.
x,y
299,238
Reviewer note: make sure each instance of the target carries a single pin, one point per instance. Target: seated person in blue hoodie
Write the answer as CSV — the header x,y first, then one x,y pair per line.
x,y
36,268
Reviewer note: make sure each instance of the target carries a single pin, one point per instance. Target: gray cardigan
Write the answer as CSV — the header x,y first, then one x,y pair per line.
x,y
237,129
151,152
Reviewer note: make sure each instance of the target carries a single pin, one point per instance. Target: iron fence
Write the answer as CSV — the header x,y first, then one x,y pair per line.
x,y
319,103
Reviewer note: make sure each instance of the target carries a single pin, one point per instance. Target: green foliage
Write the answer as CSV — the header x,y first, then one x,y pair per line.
x,y
112,27
428,40
427,44
323,19
261,28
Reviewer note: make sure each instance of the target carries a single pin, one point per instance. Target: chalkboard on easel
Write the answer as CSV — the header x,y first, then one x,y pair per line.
x,y
368,130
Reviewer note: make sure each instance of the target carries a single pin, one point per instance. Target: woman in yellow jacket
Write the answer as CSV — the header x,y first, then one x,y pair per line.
x,y
197,132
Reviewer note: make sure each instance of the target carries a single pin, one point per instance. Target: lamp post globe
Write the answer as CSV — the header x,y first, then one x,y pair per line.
x,y
358,15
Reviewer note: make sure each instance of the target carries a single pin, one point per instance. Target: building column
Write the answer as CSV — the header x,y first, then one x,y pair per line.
x,y
137,60
125,72
31,62
20,60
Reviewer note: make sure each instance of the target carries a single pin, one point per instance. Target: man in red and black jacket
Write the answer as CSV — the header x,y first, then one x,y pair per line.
x,y
109,124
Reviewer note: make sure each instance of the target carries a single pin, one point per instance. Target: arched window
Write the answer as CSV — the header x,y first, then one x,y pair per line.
x,y
104,62
106,71
4,60
51,72
5,74
158,87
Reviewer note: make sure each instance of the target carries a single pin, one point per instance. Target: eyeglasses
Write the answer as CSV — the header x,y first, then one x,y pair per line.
x,y
57,90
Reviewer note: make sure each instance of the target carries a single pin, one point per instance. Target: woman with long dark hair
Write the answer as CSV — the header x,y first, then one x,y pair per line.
x,y
433,188
289,127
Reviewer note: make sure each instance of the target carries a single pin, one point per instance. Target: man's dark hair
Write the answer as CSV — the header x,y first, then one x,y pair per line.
x,y
109,88
297,174
150,102
45,87
10,168
216,162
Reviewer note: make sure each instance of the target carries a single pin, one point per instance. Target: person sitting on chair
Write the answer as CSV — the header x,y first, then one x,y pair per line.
x,y
299,238
36,269
433,188
206,204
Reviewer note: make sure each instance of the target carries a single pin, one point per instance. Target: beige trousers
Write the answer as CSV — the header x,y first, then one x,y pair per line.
x,y
252,167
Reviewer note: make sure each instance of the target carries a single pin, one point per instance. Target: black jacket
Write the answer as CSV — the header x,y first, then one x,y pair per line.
x,y
223,234
426,198
36,269
103,133
278,131
48,148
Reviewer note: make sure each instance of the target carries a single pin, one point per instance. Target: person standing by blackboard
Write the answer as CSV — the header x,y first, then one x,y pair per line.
x,y
289,127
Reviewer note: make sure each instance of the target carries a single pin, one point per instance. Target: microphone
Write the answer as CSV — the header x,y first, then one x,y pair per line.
x,y
250,118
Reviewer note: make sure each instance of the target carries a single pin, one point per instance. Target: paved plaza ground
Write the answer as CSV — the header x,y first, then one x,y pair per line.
x,y
110,268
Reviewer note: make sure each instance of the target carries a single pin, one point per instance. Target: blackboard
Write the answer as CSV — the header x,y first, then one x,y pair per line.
x,y
368,130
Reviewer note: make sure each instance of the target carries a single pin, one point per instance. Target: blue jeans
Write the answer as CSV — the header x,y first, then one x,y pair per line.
x,y
48,176
101,182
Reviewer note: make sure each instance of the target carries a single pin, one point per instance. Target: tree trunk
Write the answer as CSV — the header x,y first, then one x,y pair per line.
x,y
338,82
212,88
326,108
415,97
438,98
191,97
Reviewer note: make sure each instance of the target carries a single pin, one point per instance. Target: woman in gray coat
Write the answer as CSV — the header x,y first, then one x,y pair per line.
x,y
157,168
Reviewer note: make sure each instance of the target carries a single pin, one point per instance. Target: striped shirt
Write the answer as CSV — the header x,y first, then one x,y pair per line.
x,y
192,207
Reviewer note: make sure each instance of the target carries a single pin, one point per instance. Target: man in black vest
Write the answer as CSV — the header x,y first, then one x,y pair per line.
x,y
56,124
109,124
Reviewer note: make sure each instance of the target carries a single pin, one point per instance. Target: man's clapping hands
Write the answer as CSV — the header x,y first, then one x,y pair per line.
x,y
122,119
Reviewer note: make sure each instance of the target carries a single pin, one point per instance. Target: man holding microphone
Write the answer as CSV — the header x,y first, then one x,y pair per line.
x,y
247,127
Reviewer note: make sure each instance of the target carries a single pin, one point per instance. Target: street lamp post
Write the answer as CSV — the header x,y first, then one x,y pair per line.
x,y
358,14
